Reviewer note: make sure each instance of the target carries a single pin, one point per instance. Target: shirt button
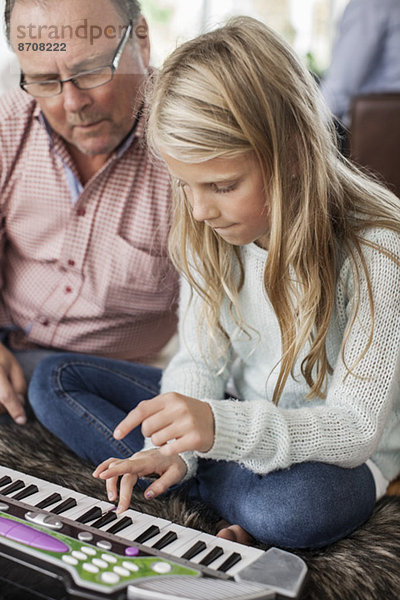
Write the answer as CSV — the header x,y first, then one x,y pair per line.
x,y
81,212
71,262
68,290
43,321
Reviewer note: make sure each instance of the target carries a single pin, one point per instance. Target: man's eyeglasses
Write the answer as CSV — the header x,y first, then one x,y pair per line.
x,y
86,80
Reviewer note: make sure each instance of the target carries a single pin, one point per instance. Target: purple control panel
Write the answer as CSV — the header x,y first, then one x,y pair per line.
x,y
25,534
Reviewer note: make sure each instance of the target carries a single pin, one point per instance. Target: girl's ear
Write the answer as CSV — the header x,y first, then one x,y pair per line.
x,y
143,40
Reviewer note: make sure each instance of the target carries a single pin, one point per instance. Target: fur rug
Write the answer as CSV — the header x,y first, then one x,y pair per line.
x,y
364,566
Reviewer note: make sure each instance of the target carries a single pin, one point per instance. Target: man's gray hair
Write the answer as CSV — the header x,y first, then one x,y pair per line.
x,y
128,9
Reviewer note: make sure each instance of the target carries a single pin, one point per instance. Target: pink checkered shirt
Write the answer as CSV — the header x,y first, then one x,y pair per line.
x,y
83,269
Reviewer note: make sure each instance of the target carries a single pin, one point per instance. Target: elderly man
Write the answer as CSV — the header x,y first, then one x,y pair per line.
x,y
84,208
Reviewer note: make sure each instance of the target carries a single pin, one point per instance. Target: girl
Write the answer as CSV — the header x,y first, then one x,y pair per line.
x,y
289,304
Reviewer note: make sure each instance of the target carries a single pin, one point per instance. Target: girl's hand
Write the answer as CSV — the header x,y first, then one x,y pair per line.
x,y
171,469
186,421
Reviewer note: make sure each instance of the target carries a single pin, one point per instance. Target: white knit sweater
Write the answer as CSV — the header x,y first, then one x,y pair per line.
x,y
360,417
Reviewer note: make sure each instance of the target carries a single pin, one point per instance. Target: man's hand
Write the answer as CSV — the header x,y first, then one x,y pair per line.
x,y
12,386
171,469
187,423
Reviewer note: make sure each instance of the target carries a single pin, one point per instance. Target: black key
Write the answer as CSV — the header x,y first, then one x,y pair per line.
x,y
13,487
168,538
66,505
28,491
211,556
5,480
120,525
194,550
232,560
49,500
92,514
148,534
109,517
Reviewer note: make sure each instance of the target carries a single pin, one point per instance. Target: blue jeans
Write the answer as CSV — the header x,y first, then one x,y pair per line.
x,y
81,399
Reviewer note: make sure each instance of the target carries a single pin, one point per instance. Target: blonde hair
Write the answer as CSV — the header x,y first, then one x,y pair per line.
x,y
241,89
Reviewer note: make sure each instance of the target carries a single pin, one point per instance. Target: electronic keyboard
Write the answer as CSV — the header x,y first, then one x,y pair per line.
x,y
91,552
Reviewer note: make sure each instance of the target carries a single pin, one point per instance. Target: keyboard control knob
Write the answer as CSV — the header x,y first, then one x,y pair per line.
x,y
109,577
131,566
90,568
85,536
104,545
45,519
89,550
161,567
70,560
98,562
109,558
121,571
4,507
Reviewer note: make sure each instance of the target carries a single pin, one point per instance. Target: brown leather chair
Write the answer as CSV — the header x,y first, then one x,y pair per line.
x,y
375,136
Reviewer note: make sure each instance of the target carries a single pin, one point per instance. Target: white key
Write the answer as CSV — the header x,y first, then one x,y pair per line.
x,y
10,472
105,507
211,542
163,531
248,554
83,505
141,522
45,488
138,519
71,494
44,492
189,543
187,537
41,484
25,478
38,497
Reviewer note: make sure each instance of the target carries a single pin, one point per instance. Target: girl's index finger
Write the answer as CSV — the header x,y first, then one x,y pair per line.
x,y
136,417
122,466
103,466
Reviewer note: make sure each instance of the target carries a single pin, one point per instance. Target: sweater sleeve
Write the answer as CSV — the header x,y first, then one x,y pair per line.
x,y
194,371
345,430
